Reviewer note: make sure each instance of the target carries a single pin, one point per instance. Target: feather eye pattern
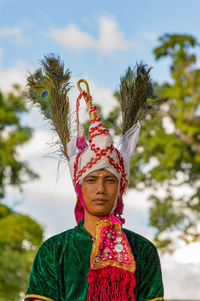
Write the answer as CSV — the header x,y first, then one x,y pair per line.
x,y
135,90
47,88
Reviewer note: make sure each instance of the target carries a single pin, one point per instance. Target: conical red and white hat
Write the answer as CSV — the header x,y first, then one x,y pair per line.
x,y
100,152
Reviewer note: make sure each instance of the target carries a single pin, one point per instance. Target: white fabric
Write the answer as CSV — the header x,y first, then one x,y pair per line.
x,y
128,144
72,153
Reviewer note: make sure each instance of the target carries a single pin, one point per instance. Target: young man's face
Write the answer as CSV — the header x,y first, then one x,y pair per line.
x,y
99,191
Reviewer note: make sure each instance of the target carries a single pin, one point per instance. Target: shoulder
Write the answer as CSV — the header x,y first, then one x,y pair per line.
x,y
137,238
139,243
58,240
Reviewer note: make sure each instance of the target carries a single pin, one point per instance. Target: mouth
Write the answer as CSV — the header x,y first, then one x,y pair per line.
x,y
100,201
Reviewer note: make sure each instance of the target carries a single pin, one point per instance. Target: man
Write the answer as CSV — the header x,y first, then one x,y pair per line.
x,y
98,259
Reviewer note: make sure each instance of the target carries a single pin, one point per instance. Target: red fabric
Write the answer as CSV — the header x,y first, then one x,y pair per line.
x,y
111,283
81,143
79,211
80,205
78,102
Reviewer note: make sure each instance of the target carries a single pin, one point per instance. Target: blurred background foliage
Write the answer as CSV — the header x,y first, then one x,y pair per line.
x,y
20,236
168,151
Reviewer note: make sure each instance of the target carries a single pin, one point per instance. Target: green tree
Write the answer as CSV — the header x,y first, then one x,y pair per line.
x,y
20,236
168,154
12,134
177,151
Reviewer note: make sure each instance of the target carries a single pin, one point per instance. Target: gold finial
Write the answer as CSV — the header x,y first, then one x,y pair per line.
x,y
87,86
93,115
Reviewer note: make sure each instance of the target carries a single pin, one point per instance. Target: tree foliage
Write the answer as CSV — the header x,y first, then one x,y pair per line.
x,y
20,236
168,153
177,150
12,134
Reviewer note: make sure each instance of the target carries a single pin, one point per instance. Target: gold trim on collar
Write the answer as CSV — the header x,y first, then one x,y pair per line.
x,y
159,298
38,296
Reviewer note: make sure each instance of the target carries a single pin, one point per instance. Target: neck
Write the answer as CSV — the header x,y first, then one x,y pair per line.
x,y
90,222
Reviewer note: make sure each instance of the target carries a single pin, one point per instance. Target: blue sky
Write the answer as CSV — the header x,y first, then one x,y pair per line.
x,y
97,40
140,23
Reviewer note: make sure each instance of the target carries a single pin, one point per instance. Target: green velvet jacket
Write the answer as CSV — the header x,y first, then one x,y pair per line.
x,y
61,266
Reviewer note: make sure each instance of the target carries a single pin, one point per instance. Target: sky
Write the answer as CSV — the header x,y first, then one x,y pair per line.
x,y
97,41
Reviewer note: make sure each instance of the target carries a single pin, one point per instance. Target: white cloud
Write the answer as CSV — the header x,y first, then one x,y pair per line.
x,y
102,96
181,280
188,254
12,75
13,34
110,38
73,38
37,146
16,74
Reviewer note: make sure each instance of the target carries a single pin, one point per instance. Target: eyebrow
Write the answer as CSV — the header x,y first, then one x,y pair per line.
x,y
105,177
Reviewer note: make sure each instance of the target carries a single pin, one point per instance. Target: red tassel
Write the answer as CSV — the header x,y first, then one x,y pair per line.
x,y
111,283
81,143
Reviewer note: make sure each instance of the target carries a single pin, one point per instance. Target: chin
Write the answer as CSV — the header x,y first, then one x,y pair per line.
x,y
100,213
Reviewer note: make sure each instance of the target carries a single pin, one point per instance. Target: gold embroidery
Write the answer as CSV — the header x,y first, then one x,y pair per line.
x,y
38,296
159,298
95,265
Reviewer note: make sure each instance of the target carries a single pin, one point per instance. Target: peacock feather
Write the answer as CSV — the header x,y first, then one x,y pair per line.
x,y
134,92
47,88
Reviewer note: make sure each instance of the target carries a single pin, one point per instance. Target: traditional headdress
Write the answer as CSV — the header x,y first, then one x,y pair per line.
x,y
112,266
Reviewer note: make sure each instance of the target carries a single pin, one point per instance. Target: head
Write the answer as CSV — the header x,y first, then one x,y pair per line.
x,y
99,191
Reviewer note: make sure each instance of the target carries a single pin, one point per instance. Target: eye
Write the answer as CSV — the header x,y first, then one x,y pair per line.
x,y
90,180
111,180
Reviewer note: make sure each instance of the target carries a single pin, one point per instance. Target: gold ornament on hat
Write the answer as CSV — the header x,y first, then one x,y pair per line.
x,y
86,95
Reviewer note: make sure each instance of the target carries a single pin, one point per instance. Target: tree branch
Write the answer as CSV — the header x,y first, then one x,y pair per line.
x,y
189,140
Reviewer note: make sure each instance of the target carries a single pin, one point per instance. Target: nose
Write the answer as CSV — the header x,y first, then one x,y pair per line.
x,y
100,187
